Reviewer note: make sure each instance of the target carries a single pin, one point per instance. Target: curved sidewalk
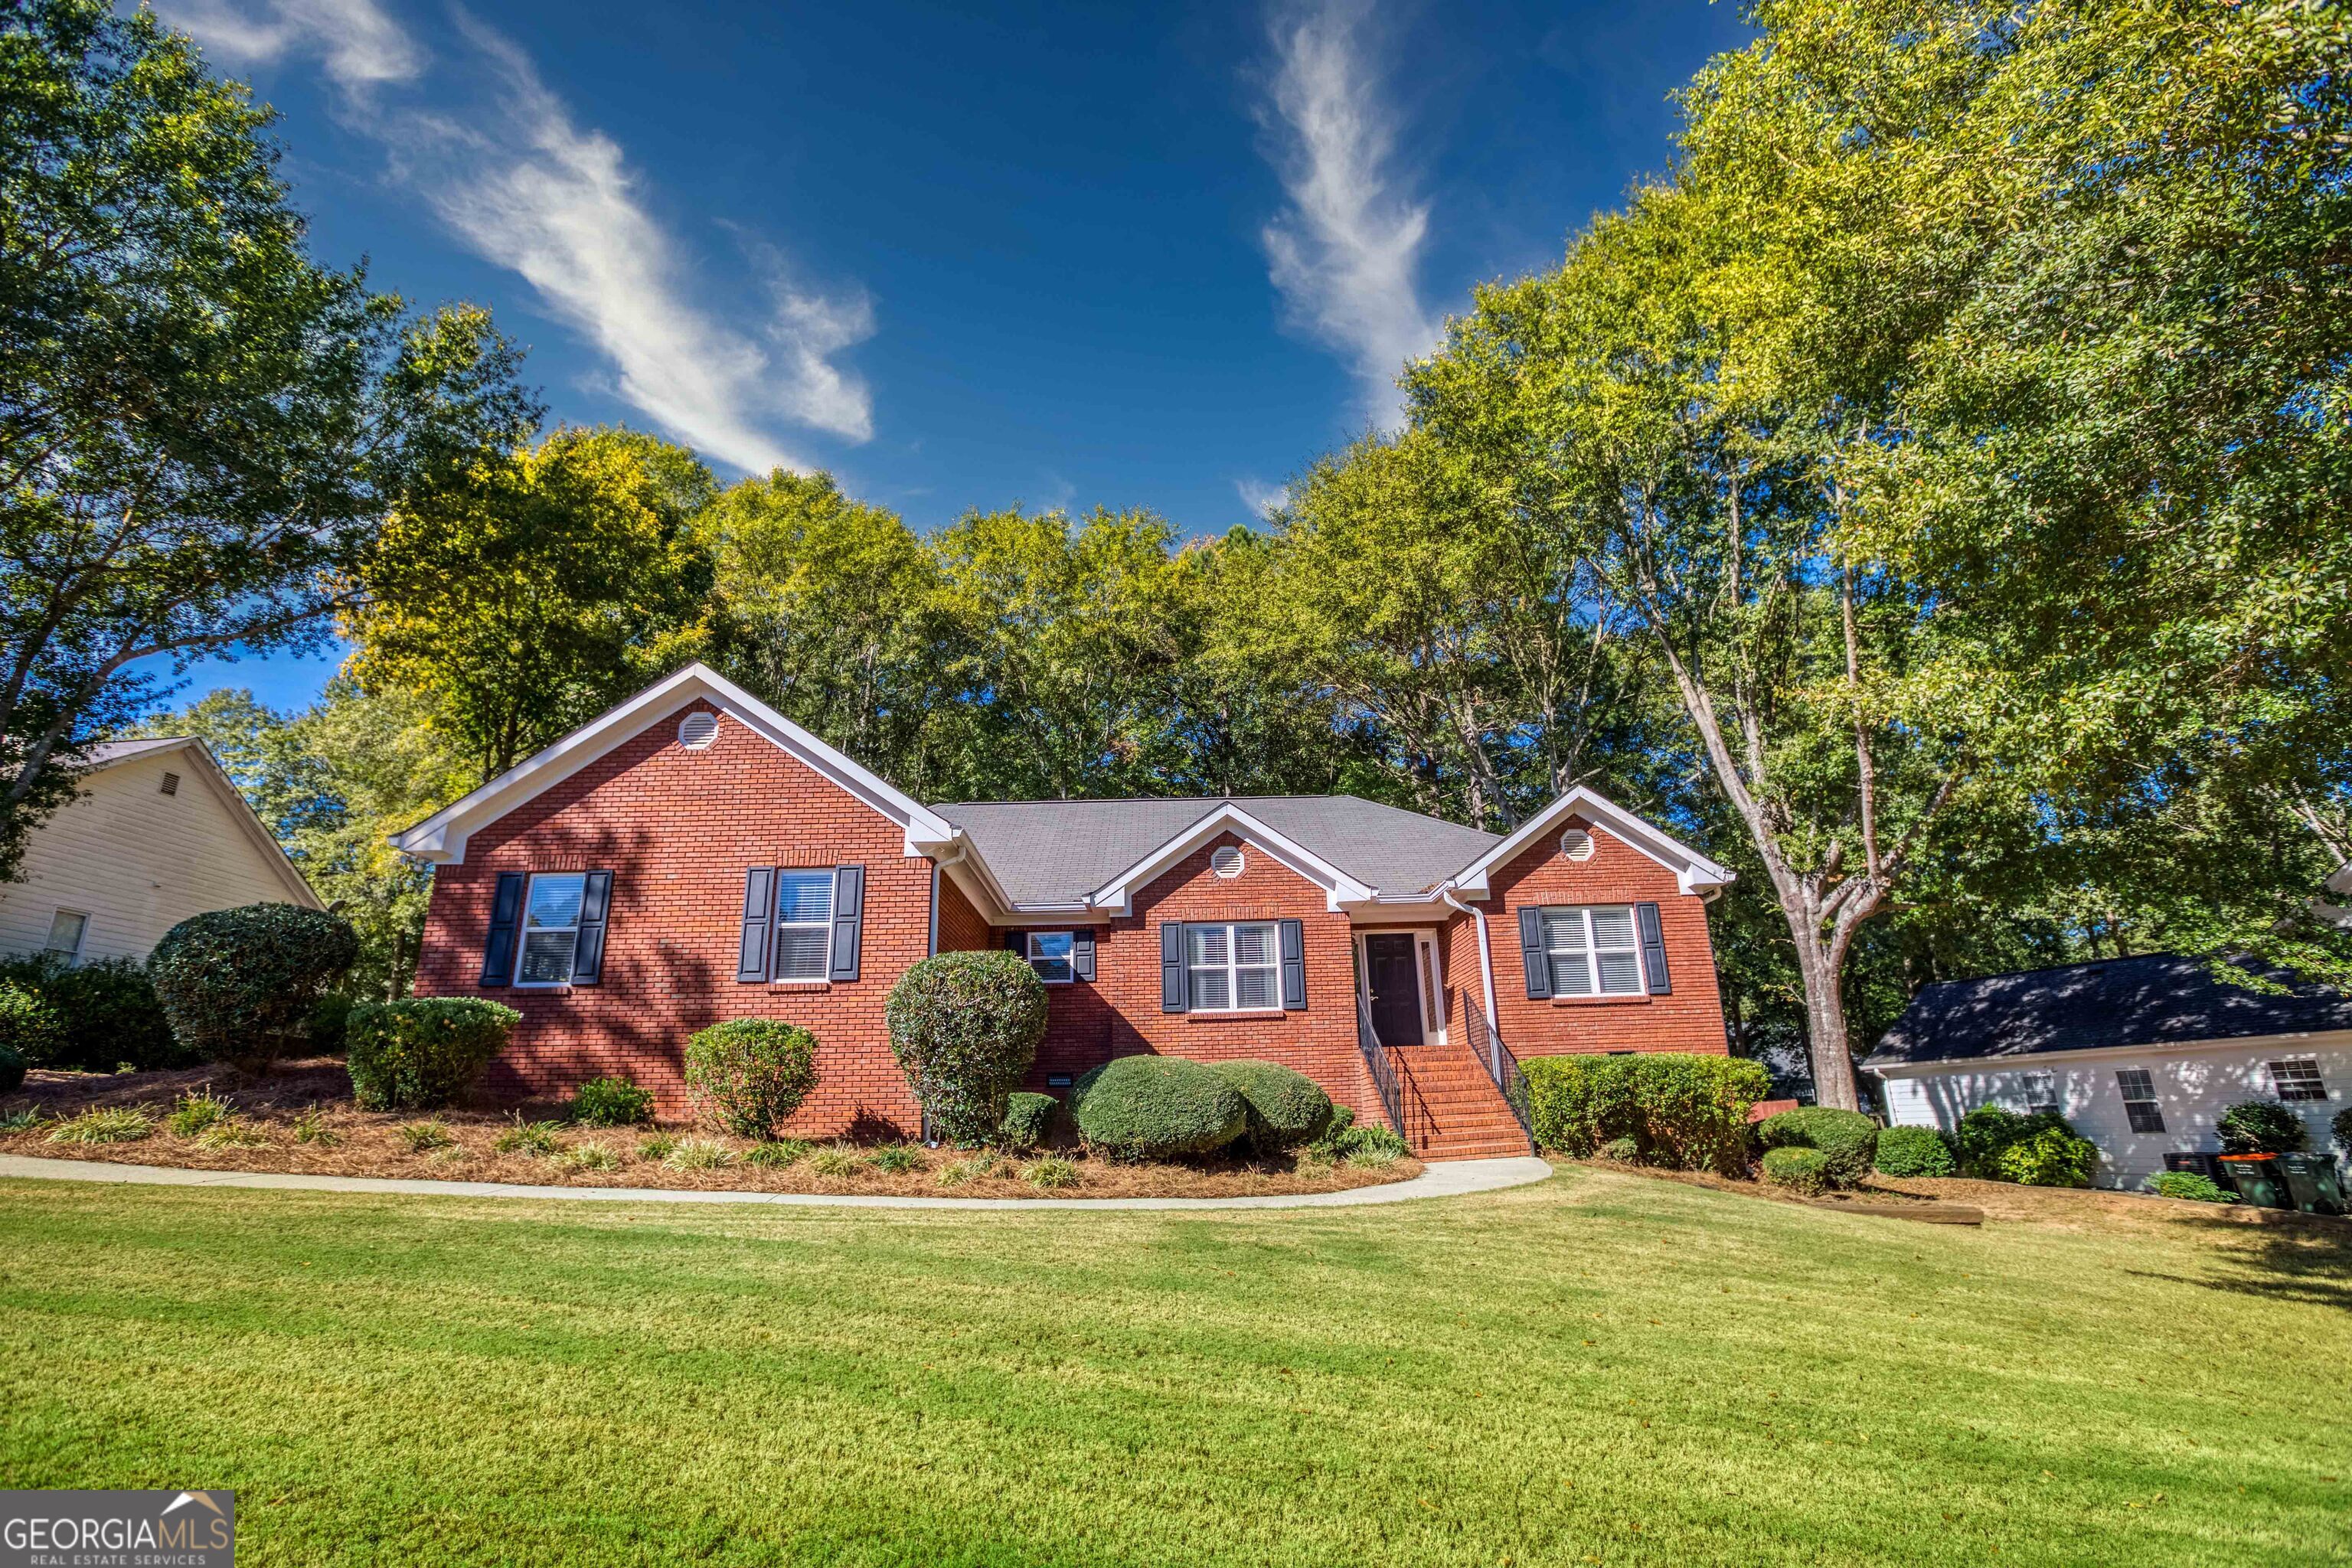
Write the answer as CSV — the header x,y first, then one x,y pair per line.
x,y
1451,1179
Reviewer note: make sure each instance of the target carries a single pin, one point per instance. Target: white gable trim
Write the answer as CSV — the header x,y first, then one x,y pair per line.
x,y
1694,872
1339,889
442,836
232,801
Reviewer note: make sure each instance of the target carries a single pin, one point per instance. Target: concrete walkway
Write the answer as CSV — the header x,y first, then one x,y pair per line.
x,y
1449,1179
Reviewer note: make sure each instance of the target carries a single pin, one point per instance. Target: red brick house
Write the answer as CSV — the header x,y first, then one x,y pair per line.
x,y
693,855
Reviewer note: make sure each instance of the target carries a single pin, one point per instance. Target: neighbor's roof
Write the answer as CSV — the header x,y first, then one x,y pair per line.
x,y
1058,851
106,754
2158,1000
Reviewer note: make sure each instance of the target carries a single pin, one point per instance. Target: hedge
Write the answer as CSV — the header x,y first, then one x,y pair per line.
x,y
239,984
748,1075
1848,1140
30,1031
1798,1168
423,1052
1285,1108
107,1009
1683,1109
1153,1107
1914,1152
965,1028
2260,1127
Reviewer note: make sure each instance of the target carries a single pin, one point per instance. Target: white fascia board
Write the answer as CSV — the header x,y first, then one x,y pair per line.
x,y
442,836
1339,889
2025,1062
1694,872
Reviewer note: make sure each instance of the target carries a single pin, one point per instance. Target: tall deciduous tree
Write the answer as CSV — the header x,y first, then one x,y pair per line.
x,y
199,428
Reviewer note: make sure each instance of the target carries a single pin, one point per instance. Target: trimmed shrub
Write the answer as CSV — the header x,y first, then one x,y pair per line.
x,y
2260,1127
239,984
423,1052
324,1027
1032,1121
2342,1130
2194,1186
748,1075
1988,1130
1848,1140
965,1028
1286,1109
2052,1157
1153,1107
1683,1109
107,1012
1914,1152
30,1029
1798,1167
610,1102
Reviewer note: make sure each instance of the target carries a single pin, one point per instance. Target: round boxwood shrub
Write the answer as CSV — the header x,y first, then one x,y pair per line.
x,y
1155,1107
1032,1121
2051,1157
748,1075
1798,1168
2194,1186
1287,1108
610,1102
965,1028
1848,1140
2260,1127
1913,1151
1684,1111
239,984
107,1012
423,1052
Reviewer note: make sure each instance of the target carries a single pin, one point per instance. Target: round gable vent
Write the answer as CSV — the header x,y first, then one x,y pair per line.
x,y
1225,860
1576,844
696,731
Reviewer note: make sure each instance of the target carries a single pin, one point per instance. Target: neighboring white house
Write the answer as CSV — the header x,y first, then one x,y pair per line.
x,y
2142,1055
157,834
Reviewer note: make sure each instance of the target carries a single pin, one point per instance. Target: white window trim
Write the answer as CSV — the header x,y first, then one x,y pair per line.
x,y
82,936
523,929
1592,952
1233,966
1069,959
778,926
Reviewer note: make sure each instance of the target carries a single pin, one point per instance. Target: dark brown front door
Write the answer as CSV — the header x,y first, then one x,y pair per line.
x,y
1396,993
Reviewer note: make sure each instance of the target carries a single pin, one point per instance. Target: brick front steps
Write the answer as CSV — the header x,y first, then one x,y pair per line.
x,y
1452,1109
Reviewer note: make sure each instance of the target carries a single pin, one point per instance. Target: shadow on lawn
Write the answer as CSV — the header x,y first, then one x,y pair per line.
x,y
2289,1258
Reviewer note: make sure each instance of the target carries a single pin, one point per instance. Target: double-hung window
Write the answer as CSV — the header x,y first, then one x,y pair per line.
x,y
550,928
2041,1093
1050,956
803,925
1593,951
66,930
2138,1087
2297,1078
1234,968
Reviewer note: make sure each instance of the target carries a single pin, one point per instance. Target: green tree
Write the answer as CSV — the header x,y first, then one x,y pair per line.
x,y
199,428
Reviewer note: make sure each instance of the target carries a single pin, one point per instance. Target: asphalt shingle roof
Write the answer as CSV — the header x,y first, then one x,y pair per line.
x,y
1058,851
2157,1000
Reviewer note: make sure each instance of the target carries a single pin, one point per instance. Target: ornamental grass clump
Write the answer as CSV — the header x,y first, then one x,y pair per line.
x,y
965,1028
1846,1140
535,1139
239,984
1287,1109
1683,1110
423,1137
897,1159
1155,1108
778,1155
195,1110
747,1076
1052,1173
422,1053
110,1125
698,1155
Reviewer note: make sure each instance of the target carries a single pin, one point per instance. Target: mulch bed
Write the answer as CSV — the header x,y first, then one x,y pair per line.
x,y
370,1144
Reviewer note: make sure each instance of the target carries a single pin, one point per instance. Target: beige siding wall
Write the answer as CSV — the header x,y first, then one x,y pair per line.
x,y
137,861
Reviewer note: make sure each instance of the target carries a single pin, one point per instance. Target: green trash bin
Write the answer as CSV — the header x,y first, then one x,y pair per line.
x,y
2311,1182
2256,1177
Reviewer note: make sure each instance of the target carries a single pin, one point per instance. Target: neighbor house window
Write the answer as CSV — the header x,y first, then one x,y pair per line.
x,y
2297,1078
67,928
1049,956
2139,1100
803,925
550,928
1593,951
2040,1094
1234,967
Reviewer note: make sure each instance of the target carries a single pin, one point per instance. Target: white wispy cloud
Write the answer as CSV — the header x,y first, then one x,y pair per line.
x,y
1262,499
1344,253
508,171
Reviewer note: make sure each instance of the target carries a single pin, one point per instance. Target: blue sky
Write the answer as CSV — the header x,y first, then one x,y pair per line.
x,y
961,256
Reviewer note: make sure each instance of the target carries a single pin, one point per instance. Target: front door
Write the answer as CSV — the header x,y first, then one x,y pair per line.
x,y
1389,974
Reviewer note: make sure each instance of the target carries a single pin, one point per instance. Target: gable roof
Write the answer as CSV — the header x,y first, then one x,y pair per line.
x,y
2158,1000
1694,872
1047,853
442,836
199,759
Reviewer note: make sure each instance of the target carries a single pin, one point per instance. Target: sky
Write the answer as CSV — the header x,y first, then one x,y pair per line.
x,y
961,257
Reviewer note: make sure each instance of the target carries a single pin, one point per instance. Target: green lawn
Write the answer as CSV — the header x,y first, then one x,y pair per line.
x,y
1601,1369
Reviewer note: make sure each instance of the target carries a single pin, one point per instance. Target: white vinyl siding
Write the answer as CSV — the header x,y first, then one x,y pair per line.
x,y
550,928
803,925
1593,951
1234,968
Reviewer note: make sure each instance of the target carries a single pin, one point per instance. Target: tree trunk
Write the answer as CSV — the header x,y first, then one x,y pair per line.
x,y
1825,1030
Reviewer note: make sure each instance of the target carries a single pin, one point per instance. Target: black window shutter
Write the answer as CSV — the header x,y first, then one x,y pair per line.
x,y
1172,996
1531,953
848,919
506,914
1294,964
1654,950
758,905
595,906
1082,954
1017,943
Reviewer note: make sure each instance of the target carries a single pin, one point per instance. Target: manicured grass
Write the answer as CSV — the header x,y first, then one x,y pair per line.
x,y
1601,1369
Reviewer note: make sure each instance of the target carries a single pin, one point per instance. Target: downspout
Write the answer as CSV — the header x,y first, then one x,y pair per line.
x,y
963,846
1485,955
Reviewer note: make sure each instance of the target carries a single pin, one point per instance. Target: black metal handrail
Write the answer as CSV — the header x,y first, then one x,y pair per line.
x,y
1376,1058
1487,1044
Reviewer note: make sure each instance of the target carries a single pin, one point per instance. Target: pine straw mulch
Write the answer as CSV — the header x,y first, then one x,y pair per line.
x,y
370,1144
